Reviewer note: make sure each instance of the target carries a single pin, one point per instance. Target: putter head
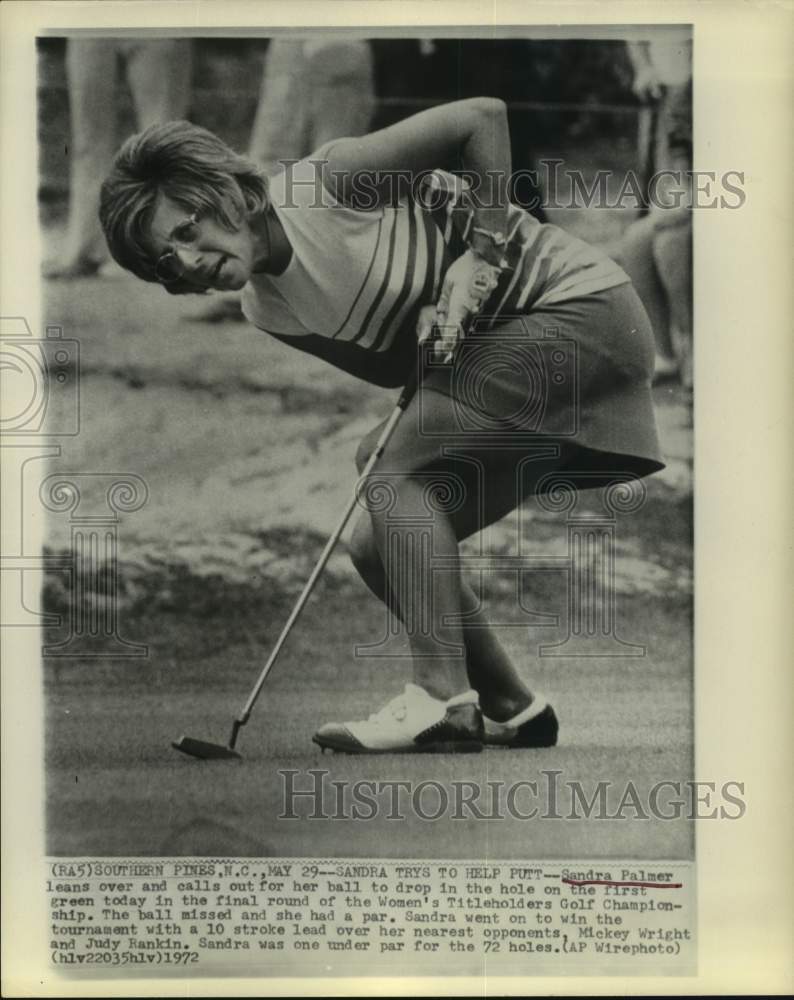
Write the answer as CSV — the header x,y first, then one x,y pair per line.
x,y
204,750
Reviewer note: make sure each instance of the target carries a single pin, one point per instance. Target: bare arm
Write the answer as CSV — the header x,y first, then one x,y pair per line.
x,y
470,135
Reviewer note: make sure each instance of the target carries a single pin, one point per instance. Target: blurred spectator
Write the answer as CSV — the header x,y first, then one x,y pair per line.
x,y
158,73
657,249
313,90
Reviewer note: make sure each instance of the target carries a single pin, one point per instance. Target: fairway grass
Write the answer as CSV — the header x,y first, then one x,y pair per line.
x,y
116,787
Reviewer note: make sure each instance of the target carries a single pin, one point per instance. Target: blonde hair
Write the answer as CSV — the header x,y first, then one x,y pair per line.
x,y
193,168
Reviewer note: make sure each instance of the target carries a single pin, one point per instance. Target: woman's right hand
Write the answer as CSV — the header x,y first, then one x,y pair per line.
x,y
431,321
428,319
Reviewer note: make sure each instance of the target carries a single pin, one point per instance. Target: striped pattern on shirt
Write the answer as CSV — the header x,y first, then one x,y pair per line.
x,y
360,277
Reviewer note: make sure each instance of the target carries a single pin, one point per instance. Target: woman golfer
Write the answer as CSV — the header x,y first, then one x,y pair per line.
x,y
355,255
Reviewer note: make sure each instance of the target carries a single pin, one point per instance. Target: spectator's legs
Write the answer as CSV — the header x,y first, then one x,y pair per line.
x,y
91,75
637,260
672,251
159,75
672,242
341,89
280,125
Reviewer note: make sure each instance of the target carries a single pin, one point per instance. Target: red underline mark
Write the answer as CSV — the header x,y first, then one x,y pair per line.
x,y
644,885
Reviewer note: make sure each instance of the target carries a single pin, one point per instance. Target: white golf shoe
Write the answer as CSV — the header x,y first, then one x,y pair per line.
x,y
413,722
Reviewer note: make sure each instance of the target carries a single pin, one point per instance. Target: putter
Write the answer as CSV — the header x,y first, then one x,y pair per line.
x,y
205,750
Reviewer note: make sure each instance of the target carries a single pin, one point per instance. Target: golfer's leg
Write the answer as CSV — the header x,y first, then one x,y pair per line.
x,y
490,670
408,455
430,602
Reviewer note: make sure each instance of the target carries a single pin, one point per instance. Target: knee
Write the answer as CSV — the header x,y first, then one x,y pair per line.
x,y
366,447
363,551
363,452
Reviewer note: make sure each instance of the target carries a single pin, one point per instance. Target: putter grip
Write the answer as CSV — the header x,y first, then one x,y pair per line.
x,y
412,384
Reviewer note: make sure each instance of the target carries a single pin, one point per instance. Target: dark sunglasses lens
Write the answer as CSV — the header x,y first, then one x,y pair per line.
x,y
168,268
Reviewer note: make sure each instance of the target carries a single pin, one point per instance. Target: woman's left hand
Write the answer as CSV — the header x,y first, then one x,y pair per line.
x,y
467,284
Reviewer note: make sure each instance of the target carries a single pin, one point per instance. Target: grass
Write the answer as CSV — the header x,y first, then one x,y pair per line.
x,y
117,788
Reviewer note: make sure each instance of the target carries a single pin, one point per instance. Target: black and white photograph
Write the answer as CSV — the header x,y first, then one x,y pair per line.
x,y
406,440
358,424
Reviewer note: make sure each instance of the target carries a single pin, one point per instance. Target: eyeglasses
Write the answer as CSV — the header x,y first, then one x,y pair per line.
x,y
169,267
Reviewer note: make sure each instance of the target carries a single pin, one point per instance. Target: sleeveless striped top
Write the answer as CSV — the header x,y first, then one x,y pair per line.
x,y
352,290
